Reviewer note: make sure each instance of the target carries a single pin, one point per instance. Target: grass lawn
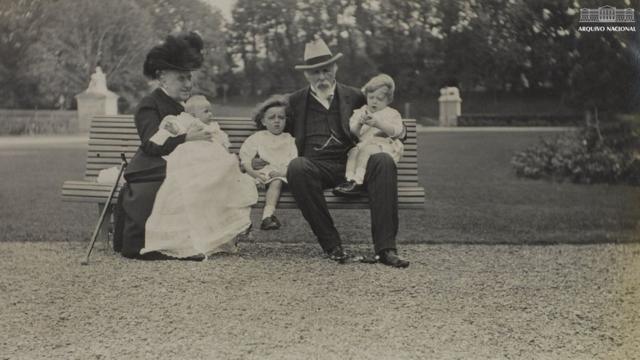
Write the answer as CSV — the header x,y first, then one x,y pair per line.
x,y
473,197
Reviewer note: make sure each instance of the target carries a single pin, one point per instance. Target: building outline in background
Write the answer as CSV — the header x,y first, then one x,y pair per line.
x,y
607,14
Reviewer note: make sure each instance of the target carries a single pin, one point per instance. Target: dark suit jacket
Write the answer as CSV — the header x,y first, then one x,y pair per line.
x,y
349,99
147,164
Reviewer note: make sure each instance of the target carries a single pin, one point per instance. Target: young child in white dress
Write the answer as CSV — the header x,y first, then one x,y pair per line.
x,y
378,128
274,146
205,200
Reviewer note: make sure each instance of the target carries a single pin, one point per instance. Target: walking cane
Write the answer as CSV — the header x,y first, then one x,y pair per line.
x,y
123,165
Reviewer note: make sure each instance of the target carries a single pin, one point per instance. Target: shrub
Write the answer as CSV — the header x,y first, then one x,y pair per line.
x,y
532,119
583,157
35,122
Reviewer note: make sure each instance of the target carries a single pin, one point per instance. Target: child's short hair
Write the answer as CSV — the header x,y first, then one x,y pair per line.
x,y
193,102
379,81
272,101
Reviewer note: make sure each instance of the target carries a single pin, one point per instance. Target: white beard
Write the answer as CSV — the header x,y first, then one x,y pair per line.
x,y
326,92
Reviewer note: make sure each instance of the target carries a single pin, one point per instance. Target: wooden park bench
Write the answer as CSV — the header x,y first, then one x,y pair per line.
x,y
110,136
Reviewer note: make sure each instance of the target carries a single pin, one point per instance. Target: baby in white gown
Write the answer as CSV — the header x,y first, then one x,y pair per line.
x,y
205,200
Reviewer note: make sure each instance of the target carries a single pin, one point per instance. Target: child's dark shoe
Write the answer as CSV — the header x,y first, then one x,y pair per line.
x,y
348,189
270,223
245,236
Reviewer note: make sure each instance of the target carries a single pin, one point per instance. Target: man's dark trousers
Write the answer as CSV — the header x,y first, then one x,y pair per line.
x,y
308,178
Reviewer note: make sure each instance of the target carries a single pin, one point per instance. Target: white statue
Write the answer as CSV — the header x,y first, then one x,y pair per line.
x,y
98,83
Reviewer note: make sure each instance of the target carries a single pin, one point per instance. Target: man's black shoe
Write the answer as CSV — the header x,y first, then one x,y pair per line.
x,y
348,189
270,223
390,257
338,254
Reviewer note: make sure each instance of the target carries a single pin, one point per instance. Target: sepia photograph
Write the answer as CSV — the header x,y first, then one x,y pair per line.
x,y
320,179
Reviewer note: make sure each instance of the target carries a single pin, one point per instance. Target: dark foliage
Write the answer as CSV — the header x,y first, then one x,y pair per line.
x,y
584,156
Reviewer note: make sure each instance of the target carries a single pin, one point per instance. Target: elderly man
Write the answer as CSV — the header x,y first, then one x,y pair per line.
x,y
320,125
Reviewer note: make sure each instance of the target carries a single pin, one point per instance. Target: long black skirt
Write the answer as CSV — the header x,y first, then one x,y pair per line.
x,y
135,203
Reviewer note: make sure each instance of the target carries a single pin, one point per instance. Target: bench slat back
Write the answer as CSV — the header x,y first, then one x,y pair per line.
x,y
111,135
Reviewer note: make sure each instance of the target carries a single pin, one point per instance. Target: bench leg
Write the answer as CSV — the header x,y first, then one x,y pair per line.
x,y
106,229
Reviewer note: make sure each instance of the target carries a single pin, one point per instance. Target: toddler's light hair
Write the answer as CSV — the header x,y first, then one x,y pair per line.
x,y
379,81
194,102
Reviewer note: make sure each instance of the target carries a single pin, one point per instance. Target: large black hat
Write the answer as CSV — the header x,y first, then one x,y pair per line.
x,y
178,52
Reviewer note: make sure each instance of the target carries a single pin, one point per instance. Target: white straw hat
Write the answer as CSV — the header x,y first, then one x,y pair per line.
x,y
317,54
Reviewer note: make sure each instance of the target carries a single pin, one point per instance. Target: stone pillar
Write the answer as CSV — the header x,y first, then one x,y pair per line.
x,y
96,100
450,106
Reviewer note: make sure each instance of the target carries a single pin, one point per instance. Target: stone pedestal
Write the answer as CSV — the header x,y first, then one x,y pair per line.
x,y
450,106
96,100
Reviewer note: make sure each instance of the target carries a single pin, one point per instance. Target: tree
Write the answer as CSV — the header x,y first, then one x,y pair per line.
x,y
80,37
52,47
20,26
548,37
403,43
604,74
193,15
264,38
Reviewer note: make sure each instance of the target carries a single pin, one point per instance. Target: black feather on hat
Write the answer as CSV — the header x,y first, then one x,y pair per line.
x,y
178,52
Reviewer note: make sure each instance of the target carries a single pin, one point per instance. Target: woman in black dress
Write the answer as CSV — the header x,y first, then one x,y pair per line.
x,y
170,64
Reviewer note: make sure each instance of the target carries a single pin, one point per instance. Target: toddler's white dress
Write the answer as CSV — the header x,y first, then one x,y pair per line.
x,y
370,135
277,150
205,200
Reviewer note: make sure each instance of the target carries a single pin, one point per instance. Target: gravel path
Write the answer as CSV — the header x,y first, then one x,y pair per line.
x,y
279,301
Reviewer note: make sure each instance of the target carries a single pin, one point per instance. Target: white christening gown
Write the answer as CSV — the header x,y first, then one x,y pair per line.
x,y
203,203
